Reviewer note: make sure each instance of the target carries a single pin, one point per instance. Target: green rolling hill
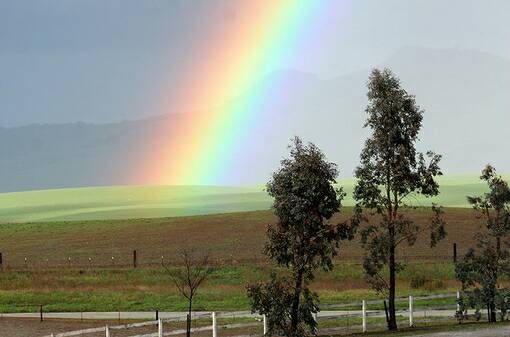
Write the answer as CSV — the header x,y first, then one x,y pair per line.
x,y
123,202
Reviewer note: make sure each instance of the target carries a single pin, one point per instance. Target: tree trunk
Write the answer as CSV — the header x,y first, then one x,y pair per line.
x,y
493,314
492,307
386,313
188,325
392,323
498,247
295,304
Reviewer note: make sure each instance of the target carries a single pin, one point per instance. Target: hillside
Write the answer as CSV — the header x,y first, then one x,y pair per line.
x,y
238,236
125,202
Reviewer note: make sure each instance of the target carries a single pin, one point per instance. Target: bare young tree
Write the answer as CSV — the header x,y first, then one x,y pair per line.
x,y
189,277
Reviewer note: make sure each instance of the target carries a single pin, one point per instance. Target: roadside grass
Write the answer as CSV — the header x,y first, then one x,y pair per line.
x,y
150,289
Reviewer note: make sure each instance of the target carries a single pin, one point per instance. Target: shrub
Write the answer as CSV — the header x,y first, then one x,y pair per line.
x,y
417,281
434,284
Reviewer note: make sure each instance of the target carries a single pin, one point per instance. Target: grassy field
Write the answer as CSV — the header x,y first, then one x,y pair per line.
x,y
83,261
149,289
124,202
234,242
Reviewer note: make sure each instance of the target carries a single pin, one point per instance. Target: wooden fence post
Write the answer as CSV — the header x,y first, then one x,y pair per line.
x,y
364,316
264,317
214,325
160,328
107,331
454,253
41,312
134,258
411,309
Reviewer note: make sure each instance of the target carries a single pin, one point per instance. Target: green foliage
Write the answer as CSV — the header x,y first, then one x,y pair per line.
x,y
304,197
275,300
494,205
302,240
423,282
479,272
390,171
481,268
435,284
417,281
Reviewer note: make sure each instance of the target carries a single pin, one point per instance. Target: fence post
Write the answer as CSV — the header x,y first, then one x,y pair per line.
x,y
160,328
364,316
411,309
1,261
157,315
107,331
134,258
41,312
214,325
264,317
454,253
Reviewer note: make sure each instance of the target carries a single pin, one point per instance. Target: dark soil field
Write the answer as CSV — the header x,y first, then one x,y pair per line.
x,y
228,238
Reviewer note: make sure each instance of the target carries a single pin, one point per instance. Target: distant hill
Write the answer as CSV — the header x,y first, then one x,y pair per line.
x,y
124,202
464,93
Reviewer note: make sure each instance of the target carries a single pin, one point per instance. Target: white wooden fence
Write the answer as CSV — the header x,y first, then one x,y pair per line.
x,y
160,331
345,313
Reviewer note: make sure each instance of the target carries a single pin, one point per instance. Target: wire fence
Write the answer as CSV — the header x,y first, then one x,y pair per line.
x,y
136,259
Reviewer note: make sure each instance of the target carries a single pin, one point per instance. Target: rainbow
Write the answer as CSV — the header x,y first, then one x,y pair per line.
x,y
200,151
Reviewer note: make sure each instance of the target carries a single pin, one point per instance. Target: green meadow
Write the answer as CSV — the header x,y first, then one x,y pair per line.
x,y
123,202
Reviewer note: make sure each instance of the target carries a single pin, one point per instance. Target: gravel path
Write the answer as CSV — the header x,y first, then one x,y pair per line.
x,y
488,332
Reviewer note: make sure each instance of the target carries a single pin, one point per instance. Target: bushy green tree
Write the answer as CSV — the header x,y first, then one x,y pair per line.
x,y
391,169
276,300
302,240
483,265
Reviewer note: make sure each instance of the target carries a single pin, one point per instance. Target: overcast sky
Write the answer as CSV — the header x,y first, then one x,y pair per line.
x,y
102,61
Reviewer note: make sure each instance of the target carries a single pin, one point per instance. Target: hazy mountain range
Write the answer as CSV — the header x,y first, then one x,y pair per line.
x,y
464,94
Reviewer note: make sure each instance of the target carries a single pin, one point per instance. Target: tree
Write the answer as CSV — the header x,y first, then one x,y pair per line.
x,y
390,171
302,240
481,268
187,279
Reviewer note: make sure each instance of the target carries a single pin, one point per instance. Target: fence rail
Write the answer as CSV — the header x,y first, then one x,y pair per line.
x,y
346,318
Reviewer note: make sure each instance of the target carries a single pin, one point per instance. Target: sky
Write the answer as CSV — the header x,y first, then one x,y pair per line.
x,y
107,61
